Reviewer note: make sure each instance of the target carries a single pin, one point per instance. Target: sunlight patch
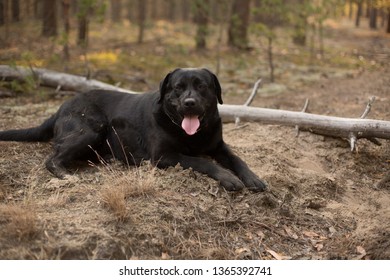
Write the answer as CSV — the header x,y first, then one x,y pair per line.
x,y
103,57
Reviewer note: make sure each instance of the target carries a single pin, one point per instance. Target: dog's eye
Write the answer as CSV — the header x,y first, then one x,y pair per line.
x,y
202,86
178,87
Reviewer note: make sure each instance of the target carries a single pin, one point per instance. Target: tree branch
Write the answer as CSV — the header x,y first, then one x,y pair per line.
x,y
326,125
55,79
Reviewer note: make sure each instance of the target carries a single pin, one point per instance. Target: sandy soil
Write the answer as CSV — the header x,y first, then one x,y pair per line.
x,y
323,201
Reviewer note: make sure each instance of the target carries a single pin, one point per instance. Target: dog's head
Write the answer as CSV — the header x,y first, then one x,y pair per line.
x,y
189,96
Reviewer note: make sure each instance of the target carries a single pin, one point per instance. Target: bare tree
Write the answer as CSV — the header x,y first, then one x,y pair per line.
x,y
238,28
116,8
49,26
15,7
359,12
388,20
82,38
38,9
300,22
185,9
350,8
170,7
373,16
201,8
2,12
141,19
5,20
131,10
66,18
83,20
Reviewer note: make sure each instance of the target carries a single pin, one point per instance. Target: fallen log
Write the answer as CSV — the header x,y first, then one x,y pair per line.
x,y
54,79
349,128
326,125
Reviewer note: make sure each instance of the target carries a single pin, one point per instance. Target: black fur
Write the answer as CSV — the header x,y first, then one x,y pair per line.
x,y
138,127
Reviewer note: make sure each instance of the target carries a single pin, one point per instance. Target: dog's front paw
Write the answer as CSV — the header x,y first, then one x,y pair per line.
x,y
230,182
254,183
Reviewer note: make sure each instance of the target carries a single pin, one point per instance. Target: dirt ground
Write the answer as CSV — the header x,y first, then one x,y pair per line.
x,y
323,202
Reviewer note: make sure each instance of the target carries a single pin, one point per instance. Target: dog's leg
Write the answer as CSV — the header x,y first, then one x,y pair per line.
x,y
125,143
229,160
56,166
74,139
206,166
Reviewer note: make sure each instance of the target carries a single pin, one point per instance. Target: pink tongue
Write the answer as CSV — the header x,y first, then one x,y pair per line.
x,y
190,124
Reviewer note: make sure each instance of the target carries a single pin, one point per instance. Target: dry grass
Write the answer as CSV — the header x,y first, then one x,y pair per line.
x,y
121,184
2,192
18,221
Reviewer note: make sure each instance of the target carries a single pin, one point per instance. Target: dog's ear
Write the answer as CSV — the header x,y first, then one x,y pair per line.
x,y
217,86
163,87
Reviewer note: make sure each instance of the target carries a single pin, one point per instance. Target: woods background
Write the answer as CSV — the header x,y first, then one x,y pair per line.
x,y
212,24
324,201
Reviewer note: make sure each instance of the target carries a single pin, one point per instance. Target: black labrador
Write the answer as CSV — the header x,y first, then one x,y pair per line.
x,y
177,124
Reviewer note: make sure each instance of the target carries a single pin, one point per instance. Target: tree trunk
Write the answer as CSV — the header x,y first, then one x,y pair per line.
x,y
82,38
55,79
201,8
5,21
49,27
299,35
27,9
270,59
312,43
325,125
65,15
185,10
321,39
2,10
83,13
116,9
131,10
359,13
141,20
350,9
171,10
238,28
38,9
373,18
388,20
15,7
153,10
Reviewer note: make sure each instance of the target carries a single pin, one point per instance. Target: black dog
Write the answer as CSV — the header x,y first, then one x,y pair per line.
x,y
177,124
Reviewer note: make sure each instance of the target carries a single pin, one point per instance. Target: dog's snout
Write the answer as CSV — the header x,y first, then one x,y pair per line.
x,y
189,102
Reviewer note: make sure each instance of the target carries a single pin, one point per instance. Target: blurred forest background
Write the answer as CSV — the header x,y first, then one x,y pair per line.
x,y
133,43
324,201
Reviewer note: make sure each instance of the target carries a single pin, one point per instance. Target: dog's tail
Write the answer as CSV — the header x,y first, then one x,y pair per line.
x,y
42,133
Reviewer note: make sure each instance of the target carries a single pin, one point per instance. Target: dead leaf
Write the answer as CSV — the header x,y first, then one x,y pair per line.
x,y
195,194
249,235
260,234
213,191
290,233
278,256
241,250
319,246
361,251
310,234
243,253
332,231
165,256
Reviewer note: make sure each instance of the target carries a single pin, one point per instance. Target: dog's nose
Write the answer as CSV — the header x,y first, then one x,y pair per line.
x,y
189,102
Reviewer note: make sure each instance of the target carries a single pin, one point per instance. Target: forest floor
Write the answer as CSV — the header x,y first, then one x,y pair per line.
x,y
323,201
